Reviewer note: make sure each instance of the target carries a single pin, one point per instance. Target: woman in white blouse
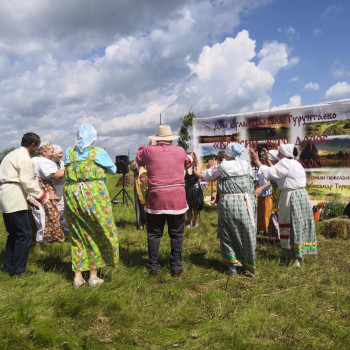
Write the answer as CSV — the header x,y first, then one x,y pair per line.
x,y
296,222
46,171
236,209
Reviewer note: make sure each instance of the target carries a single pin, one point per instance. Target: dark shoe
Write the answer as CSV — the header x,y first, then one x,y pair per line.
x,y
153,272
24,274
176,273
230,271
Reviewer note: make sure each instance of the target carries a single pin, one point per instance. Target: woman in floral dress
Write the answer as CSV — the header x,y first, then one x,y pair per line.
x,y
46,171
92,231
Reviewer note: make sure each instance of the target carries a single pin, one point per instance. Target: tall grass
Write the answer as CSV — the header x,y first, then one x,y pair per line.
x,y
280,308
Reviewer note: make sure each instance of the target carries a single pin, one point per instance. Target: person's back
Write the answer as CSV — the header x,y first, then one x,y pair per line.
x,y
165,165
166,197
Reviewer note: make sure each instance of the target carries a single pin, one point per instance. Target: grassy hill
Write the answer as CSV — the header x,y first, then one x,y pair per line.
x,y
280,308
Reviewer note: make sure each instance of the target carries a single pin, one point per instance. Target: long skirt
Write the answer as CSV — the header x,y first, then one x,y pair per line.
x,y
236,231
92,231
53,231
297,226
265,204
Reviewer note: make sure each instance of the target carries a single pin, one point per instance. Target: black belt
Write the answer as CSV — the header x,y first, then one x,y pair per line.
x,y
9,182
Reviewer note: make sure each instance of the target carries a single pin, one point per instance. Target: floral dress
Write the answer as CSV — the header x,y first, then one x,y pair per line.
x,y
92,231
53,230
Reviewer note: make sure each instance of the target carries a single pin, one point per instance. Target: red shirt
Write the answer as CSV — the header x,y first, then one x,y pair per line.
x,y
165,165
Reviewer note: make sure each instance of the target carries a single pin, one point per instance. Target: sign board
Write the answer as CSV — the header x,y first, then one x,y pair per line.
x,y
320,132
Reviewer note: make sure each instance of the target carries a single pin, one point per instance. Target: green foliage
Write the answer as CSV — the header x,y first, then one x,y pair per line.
x,y
281,308
5,152
333,209
184,130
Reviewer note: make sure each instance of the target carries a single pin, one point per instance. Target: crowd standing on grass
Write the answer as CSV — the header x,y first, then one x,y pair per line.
x,y
79,204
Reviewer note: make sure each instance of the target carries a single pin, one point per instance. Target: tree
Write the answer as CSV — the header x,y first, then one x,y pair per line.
x,y
6,151
184,133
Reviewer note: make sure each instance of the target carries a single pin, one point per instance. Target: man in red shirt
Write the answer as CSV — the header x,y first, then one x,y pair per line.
x,y
166,197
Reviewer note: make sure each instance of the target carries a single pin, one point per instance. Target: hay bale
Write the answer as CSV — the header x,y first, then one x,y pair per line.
x,y
129,180
336,228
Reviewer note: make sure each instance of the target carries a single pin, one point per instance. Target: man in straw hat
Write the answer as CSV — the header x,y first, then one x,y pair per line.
x,y
166,198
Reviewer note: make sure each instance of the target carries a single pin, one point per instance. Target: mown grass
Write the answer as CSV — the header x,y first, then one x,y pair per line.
x,y
280,308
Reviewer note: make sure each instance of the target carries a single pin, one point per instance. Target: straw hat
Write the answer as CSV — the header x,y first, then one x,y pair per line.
x,y
164,134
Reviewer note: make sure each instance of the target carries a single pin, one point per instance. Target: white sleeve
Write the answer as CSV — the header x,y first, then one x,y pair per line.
x,y
47,169
212,174
278,171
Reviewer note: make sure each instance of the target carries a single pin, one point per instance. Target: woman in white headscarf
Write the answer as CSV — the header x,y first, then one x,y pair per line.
x,y
48,221
296,221
92,231
57,158
236,209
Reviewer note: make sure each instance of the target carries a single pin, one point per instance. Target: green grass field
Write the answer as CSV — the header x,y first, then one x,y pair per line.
x,y
280,308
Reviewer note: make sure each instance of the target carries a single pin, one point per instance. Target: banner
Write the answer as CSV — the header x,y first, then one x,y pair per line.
x,y
320,132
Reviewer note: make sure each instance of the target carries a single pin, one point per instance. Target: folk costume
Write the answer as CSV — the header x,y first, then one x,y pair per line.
x,y
44,169
265,198
236,210
296,223
59,190
92,231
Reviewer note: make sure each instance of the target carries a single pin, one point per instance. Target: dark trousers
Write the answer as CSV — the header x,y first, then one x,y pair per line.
x,y
18,241
155,228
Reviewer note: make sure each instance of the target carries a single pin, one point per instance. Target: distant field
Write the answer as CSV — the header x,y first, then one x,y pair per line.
x,y
339,127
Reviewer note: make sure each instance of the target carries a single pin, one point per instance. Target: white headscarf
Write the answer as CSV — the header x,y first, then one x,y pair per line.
x,y
57,149
86,136
273,155
287,150
234,150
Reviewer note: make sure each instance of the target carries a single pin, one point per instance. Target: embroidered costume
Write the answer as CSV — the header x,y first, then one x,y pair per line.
x,y
236,213
296,223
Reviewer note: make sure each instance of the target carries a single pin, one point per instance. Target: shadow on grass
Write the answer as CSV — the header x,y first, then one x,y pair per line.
x,y
200,260
132,258
123,223
55,264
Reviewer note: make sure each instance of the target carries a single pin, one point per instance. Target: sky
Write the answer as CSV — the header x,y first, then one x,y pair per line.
x,y
119,64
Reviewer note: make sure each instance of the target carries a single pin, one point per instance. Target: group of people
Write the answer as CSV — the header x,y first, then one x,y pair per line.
x,y
87,211
172,190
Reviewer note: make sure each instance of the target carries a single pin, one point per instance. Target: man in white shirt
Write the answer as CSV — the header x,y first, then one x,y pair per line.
x,y
17,185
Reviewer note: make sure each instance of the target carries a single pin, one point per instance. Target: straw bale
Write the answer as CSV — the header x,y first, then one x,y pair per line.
x,y
337,228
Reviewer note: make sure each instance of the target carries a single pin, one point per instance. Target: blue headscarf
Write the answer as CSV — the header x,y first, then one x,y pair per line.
x,y
234,150
86,136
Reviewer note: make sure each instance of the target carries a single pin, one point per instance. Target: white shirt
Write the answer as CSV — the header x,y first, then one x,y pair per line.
x,y
17,167
231,167
289,174
44,168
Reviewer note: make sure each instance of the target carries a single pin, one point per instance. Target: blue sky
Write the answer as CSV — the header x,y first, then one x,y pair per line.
x,y
118,64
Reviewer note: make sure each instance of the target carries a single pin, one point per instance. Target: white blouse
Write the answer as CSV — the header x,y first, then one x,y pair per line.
x,y
231,167
44,167
289,174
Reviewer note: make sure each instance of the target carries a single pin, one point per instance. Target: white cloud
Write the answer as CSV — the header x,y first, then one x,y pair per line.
x,y
294,101
121,64
312,86
293,61
337,91
294,80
